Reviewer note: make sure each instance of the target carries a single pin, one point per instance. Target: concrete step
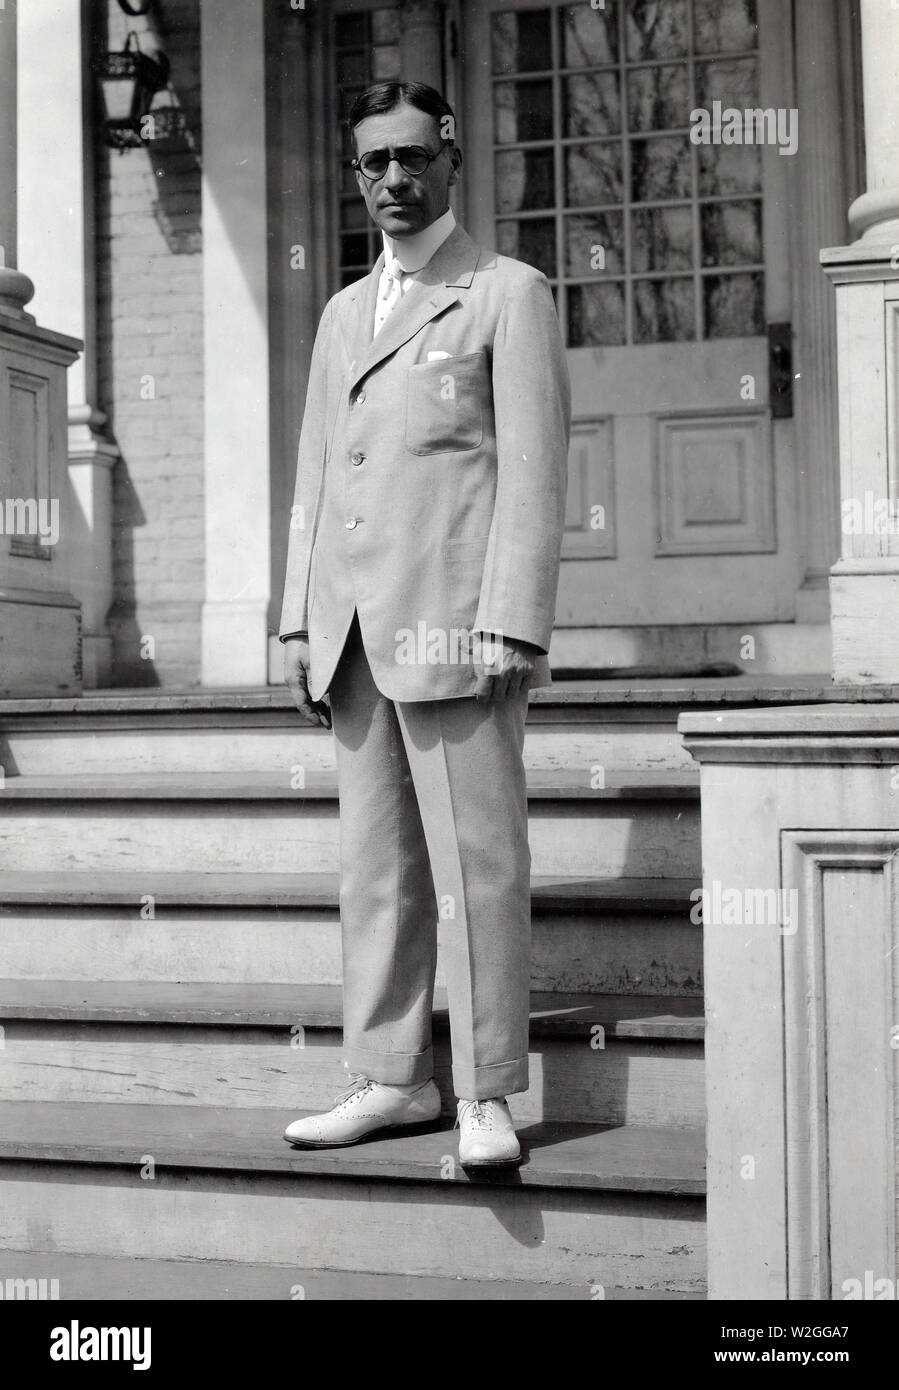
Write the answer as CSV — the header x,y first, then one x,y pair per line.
x,y
276,743
594,1059
615,724
618,1208
638,823
627,722
609,936
95,1278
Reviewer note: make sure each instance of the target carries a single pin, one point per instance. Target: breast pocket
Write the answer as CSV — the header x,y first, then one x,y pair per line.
x,y
445,403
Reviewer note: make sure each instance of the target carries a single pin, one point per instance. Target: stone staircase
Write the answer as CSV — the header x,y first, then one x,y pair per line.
x,y
170,961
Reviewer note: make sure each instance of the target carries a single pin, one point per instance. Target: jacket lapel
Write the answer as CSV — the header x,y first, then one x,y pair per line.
x,y
452,267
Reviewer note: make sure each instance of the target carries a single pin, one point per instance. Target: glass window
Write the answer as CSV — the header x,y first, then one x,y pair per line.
x,y
366,50
644,236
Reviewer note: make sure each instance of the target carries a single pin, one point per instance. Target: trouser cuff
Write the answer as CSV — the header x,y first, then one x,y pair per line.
x,y
485,1083
391,1068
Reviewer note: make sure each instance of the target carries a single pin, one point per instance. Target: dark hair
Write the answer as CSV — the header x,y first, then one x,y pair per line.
x,y
387,96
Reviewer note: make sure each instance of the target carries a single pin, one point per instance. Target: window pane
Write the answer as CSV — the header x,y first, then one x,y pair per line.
x,y
385,63
523,111
591,104
533,241
730,169
731,233
732,81
656,29
347,96
352,67
596,315
385,26
354,214
351,30
661,169
521,41
588,235
589,37
662,239
525,179
658,98
593,175
354,249
724,26
663,311
734,306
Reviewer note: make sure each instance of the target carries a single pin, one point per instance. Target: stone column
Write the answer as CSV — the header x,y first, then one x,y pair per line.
x,y
864,584
875,215
56,222
40,644
15,288
421,42
236,343
822,195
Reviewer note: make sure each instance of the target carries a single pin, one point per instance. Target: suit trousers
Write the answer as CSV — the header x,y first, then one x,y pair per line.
x,y
433,834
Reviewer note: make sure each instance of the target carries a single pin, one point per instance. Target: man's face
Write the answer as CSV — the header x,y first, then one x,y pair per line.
x,y
402,204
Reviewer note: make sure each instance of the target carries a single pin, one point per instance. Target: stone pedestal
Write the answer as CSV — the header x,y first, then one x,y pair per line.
x,y
865,580
864,584
800,847
40,619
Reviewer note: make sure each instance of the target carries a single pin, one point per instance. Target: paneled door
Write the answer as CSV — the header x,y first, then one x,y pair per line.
x,y
668,260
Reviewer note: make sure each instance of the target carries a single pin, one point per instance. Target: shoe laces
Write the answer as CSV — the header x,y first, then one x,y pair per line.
x,y
359,1086
478,1113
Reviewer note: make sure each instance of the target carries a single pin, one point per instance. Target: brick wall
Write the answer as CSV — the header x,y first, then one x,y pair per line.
x,y
150,335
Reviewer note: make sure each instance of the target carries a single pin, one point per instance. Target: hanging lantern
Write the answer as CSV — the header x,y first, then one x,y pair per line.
x,y
128,83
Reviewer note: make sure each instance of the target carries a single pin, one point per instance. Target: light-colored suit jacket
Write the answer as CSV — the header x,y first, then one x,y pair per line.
x,y
431,479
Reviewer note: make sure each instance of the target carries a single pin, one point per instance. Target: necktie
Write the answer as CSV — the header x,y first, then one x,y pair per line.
x,y
390,292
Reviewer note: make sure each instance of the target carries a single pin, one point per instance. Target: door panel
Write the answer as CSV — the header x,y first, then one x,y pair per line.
x,y
667,259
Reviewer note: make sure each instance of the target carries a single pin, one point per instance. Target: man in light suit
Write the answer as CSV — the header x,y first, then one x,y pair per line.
x,y
420,593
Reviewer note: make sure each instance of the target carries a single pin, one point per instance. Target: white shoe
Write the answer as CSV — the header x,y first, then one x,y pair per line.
x,y
365,1108
487,1137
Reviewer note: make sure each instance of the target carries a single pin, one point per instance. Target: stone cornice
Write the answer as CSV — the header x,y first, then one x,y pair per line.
x,y
805,734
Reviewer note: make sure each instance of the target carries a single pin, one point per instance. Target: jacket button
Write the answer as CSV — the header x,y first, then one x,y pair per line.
x,y
351,524
360,399
357,459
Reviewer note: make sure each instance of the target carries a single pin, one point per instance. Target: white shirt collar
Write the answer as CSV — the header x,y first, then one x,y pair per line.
x,y
414,252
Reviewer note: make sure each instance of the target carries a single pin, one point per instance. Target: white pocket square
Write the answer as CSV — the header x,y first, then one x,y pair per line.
x,y
437,356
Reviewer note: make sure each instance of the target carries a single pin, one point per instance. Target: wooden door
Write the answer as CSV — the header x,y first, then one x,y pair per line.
x,y
668,260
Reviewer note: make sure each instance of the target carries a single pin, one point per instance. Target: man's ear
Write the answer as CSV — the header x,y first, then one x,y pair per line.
x,y
455,165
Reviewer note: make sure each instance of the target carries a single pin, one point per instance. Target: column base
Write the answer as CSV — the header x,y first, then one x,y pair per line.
x,y
235,643
91,461
864,601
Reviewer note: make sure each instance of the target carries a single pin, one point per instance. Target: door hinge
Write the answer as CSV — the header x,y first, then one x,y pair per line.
x,y
780,370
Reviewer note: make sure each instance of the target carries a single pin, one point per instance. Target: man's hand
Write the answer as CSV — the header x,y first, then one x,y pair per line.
x,y
296,678
503,665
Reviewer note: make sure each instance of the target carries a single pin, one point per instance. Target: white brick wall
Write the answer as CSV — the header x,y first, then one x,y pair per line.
x,y
151,325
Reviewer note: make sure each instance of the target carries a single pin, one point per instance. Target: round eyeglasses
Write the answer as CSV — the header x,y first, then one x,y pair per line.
x,y
414,159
